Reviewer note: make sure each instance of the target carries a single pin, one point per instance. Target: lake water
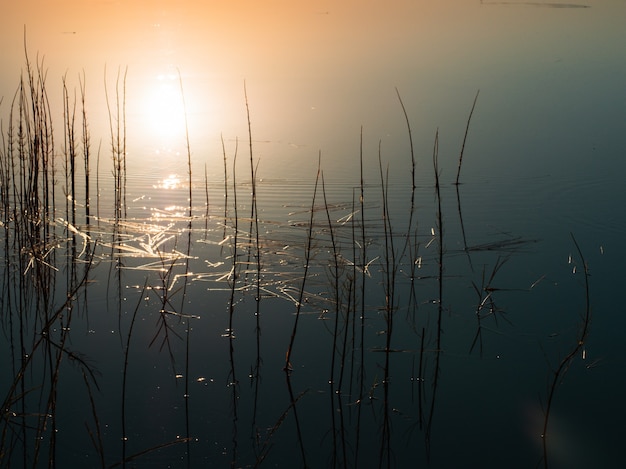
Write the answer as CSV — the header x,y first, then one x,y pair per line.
x,y
222,303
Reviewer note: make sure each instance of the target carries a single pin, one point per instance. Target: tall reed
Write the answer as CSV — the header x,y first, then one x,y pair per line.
x,y
439,301
124,438
307,259
458,172
389,268
70,153
186,269
86,145
364,264
187,144
117,135
117,129
233,383
334,281
365,297
255,249
558,374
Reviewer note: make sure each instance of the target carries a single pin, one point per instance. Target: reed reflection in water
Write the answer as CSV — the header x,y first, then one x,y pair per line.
x,y
209,333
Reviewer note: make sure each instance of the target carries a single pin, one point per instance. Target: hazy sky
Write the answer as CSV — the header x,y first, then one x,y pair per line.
x,y
318,70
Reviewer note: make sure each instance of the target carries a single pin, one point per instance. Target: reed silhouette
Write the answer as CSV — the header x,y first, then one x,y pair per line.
x,y
366,287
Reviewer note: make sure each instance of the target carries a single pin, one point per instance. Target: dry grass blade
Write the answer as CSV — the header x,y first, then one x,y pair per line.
x,y
132,457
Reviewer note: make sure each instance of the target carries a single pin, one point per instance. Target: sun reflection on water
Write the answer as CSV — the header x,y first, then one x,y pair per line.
x,y
171,182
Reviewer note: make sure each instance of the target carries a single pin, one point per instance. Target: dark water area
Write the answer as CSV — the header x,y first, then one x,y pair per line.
x,y
285,273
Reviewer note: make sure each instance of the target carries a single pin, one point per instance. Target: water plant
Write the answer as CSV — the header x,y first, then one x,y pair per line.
x,y
349,281
558,373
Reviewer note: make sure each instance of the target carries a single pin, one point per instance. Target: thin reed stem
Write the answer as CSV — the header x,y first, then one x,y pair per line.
x,y
187,144
254,223
125,373
564,365
362,309
413,164
469,118
438,349
335,286
389,272
86,144
206,202
307,258
230,333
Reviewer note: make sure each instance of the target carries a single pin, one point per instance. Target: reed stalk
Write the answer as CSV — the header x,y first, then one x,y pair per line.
x,y
125,373
469,118
117,129
413,164
69,117
187,144
293,400
307,258
420,383
485,295
86,144
254,224
389,283
235,265
353,293
363,298
267,443
98,182
206,202
186,269
438,349
37,329
117,135
409,230
96,440
225,186
230,333
334,280
559,373
465,247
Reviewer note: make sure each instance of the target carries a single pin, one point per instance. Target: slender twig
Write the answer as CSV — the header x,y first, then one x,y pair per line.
x,y
458,173
187,259
266,446
440,291
97,439
362,311
408,125
206,195
225,185
293,401
230,333
335,286
86,145
146,451
389,271
565,363
254,223
125,373
307,258
188,146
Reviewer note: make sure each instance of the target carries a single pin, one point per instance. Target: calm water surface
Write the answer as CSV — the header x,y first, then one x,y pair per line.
x,y
145,337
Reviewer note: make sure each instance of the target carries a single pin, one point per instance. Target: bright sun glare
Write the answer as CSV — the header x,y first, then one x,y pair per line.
x,y
164,109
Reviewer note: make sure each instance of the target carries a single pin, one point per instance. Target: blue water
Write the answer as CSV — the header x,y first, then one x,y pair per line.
x,y
92,376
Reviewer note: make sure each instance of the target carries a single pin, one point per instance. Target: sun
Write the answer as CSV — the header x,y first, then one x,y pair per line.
x,y
164,110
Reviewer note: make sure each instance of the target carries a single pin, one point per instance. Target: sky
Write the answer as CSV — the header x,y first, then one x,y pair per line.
x,y
316,71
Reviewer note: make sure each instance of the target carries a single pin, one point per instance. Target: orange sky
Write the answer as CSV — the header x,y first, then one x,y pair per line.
x,y
311,68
